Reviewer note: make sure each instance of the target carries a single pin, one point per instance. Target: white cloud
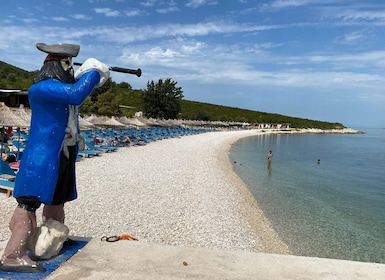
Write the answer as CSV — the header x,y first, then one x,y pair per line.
x,y
148,3
193,48
202,64
354,36
198,3
167,10
29,20
279,4
142,33
68,2
134,12
107,12
355,15
155,55
60,19
81,16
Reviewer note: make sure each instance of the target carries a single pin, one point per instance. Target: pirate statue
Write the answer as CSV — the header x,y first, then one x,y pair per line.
x,y
47,169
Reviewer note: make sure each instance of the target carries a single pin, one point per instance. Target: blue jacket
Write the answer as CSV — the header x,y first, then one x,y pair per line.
x,y
49,101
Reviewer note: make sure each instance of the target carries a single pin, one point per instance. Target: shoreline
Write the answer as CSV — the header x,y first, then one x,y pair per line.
x,y
178,191
272,243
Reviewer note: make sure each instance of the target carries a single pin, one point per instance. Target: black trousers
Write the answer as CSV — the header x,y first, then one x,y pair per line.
x,y
66,180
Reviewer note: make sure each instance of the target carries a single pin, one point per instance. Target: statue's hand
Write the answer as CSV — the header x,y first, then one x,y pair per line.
x,y
94,64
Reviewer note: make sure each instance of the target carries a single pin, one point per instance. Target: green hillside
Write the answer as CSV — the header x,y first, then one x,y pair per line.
x,y
197,110
12,77
192,110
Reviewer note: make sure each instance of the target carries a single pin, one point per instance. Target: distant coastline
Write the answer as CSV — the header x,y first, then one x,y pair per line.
x,y
308,131
324,131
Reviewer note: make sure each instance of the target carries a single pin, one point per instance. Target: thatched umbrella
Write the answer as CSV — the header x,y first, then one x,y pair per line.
x,y
173,122
93,119
161,122
85,124
103,119
135,122
23,114
148,122
96,120
112,122
8,118
90,118
124,120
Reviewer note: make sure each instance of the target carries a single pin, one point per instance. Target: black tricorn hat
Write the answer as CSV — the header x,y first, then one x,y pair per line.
x,y
67,50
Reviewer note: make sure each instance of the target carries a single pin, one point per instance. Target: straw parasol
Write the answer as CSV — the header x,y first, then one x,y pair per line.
x,y
112,122
84,124
23,114
148,122
124,120
92,119
135,122
96,120
8,118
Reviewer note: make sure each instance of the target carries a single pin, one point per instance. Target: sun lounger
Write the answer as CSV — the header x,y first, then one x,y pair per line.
x,y
6,171
7,185
19,145
103,148
7,177
90,153
15,166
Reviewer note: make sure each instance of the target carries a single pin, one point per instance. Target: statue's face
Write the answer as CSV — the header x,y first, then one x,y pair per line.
x,y
66,63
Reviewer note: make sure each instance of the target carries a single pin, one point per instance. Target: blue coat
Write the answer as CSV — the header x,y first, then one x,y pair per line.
x,y
49,101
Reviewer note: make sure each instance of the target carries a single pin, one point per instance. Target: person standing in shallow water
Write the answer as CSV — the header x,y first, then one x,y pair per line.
x,y
47,169
269,157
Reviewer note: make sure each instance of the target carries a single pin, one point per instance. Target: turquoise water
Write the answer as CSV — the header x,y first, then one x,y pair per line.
x,y
334,209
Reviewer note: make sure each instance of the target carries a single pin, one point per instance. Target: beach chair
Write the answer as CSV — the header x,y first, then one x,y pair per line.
x,y
7,178
90,145
24,135
19,145
89,153
6,171
7,186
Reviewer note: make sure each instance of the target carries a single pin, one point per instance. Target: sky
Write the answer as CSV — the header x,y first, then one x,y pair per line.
x,y
315,59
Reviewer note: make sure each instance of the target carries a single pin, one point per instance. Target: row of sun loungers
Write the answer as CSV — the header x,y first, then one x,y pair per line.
x,y
109,139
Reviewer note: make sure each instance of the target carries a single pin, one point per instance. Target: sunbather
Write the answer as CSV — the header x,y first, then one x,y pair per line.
x,y
9,157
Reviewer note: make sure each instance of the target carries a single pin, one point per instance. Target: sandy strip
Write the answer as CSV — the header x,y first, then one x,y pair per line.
x,y
179,191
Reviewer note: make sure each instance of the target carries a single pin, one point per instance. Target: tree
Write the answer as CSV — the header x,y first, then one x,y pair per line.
x,y
109,85
87,107
162,99
108,104
124,85
203,116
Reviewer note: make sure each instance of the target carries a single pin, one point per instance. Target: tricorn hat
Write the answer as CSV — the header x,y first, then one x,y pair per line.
x,y
69,50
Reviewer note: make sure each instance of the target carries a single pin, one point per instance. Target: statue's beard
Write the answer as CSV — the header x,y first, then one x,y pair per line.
x,y
53,70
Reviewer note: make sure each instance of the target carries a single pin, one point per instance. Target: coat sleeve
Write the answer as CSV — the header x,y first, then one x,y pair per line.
x,y
71,94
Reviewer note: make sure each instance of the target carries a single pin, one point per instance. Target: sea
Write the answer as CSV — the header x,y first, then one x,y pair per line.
x,y
324,194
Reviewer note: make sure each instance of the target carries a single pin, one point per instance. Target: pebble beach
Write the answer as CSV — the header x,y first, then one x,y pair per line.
x,y
178,191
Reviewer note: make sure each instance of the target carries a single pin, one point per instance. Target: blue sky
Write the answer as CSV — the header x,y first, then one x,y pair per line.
x,y
315,59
